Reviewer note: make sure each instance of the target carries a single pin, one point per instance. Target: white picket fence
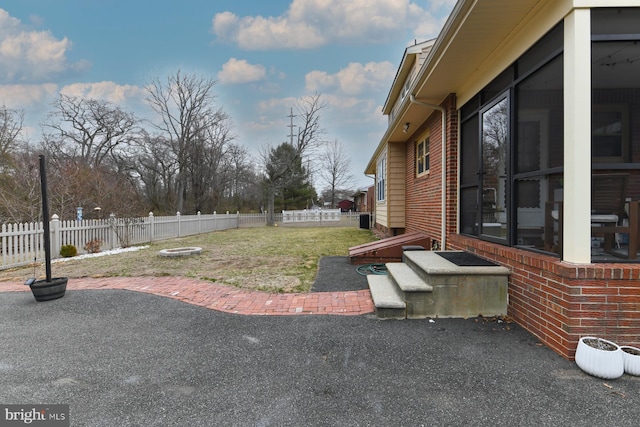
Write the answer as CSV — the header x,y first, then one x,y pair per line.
x,y
22,244
315,215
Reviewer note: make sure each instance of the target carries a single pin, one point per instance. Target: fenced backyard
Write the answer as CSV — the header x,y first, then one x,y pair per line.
x,y
22,244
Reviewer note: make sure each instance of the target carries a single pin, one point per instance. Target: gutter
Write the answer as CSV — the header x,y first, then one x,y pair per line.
x,y
443,229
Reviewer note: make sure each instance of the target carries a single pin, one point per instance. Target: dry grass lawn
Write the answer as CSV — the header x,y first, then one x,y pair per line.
x,y
274,259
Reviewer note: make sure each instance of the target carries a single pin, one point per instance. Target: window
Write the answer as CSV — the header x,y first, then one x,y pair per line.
x,y
407,86
511,149
422,157
609,124
381,173
615,135
495,144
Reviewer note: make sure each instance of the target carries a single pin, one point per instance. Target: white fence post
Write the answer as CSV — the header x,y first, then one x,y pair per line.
x,y
199,222
178,217
55,236
113,233
215,220
151,227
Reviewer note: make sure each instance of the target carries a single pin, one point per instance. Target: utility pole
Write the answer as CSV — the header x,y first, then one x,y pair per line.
x,y
291,126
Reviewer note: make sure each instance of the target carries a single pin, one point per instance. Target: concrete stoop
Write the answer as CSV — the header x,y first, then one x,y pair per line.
x,y
427,285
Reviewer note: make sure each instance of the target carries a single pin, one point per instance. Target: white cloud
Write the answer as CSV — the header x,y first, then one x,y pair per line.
x,y
240,71
23,96
108,91
313,23
355,79
27,56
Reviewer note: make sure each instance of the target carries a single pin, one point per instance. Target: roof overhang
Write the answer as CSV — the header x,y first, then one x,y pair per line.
x,y
409,58
470,43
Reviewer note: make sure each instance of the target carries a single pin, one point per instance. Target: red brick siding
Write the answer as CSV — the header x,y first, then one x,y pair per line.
x,y
559,302
556,301
424,193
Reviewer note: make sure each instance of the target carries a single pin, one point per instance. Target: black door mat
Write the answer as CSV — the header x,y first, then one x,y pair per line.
x,y
465,259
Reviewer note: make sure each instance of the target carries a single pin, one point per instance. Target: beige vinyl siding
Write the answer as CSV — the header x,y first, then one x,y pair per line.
x,y
396,185
382,216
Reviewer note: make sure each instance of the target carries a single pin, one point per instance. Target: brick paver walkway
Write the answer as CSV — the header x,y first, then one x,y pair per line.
x,y
227,299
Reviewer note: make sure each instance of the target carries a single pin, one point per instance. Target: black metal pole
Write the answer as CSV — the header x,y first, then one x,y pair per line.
x,y
45,217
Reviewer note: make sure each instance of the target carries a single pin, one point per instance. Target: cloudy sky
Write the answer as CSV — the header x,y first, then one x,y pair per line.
x,y
263,54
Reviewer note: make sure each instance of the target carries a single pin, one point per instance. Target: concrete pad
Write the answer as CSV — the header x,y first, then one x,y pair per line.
x,y
433,264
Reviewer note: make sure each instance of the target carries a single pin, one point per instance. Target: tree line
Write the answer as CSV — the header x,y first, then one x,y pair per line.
x,y
104,159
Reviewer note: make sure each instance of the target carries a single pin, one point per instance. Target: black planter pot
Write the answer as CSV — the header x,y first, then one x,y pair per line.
x,y
44,290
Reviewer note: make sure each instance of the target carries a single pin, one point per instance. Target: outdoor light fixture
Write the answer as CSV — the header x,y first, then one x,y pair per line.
x,y
405,129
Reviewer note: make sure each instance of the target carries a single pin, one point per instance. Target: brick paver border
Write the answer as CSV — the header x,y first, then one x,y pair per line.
x,y
227,299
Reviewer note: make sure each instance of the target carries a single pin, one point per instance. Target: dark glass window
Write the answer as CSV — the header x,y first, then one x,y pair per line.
x,y
549,45
511,157
615,133
539,154
470,108
615,20
497,86
469,174
496,140
469,159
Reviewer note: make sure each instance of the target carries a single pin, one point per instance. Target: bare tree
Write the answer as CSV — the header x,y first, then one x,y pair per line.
x,y
10,128
156,167
309,130
16,195
335,170
208,166
280,164
20,188
243,182
87,131
185,107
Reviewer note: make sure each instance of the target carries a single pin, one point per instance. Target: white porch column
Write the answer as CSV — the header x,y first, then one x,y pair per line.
x,y
577,137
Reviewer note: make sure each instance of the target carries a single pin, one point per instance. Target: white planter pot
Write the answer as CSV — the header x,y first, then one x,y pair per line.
x,y
631,359
604,362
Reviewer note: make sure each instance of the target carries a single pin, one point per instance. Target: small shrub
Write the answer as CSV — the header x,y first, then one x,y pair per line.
x,y
93,246
68,251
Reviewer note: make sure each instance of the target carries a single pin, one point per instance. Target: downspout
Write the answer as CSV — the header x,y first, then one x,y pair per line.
x,y
443,111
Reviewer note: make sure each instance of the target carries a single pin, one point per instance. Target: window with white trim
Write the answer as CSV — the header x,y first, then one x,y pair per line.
x,y
422,157
381,173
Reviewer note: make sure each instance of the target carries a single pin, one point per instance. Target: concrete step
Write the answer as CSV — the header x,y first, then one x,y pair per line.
x,y
458,291
387,298
406,278
418,294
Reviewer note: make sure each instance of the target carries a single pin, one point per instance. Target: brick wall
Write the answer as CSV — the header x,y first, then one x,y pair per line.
x,y
560,302
556,301
424,193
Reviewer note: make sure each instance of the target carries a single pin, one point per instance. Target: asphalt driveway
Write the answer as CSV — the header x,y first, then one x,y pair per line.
x,y
131,359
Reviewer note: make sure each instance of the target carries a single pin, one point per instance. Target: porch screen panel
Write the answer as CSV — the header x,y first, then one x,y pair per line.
x,y
469,173
539,157
495,143
615,134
